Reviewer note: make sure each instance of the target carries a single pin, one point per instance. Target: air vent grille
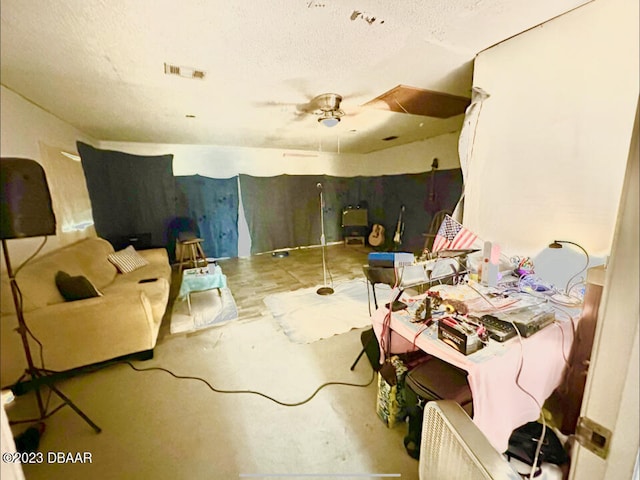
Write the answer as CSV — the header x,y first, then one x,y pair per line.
x,y
186,72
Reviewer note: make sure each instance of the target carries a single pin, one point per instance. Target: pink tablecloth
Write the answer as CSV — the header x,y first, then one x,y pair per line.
x,y
499,403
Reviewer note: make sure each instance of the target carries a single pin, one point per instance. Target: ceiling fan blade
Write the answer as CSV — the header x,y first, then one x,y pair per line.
x,y
305,108
299,116
317,107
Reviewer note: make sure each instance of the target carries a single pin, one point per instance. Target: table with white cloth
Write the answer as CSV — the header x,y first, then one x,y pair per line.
x,y
504,378
201,279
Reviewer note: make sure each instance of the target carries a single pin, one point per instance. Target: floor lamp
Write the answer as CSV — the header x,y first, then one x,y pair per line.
x,y
25,211
324,290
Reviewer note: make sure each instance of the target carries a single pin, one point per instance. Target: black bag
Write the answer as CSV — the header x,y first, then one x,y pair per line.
x,y
524,441
414,434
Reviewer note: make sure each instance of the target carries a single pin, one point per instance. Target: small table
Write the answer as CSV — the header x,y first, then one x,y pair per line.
x,y
201,280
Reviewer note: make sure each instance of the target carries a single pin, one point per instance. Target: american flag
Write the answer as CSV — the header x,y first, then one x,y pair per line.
x,y
452,236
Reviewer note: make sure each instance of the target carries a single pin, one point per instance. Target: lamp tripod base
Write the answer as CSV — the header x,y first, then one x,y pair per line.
x,y
37,380
325,291
36,377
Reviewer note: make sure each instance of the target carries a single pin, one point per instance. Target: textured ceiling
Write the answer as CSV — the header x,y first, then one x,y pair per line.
x,y
99,65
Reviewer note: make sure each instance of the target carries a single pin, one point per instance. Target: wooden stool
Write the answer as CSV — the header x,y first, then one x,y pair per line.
x,y
195,252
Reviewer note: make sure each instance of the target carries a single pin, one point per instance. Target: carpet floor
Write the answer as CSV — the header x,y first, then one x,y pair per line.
x,y
155,426
205,309
306,317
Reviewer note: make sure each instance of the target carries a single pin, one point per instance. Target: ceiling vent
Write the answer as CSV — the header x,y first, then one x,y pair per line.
x,y
186,72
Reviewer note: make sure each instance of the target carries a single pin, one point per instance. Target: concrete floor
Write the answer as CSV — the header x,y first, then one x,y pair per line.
x,y
155,426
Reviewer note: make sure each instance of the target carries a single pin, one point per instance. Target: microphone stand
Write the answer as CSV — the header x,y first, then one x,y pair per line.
x,y
324,290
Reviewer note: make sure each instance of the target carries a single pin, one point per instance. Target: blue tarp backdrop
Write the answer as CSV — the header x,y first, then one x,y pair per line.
x,y
132,194
284,211
213,204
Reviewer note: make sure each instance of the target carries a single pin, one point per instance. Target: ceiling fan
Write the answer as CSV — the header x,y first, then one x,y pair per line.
x,y
327,107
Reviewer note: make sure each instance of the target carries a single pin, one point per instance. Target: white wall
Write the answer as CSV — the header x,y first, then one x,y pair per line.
x,y
27,131
225,162
611,391
552,139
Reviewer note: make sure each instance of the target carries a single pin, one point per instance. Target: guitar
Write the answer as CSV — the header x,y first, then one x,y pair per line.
x,y
376,238
397,236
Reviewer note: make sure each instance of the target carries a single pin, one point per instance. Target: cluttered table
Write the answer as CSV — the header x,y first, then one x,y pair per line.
x,y
509,379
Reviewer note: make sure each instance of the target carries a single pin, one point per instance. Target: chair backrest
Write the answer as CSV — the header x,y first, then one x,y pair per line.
x,y
178,226
184,224
434,226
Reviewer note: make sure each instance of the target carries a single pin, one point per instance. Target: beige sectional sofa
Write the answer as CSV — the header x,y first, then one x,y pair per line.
x,y
124,320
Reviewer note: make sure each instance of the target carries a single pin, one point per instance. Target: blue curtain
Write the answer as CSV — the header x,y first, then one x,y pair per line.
x,y
213,204
130,194
284,211
133,194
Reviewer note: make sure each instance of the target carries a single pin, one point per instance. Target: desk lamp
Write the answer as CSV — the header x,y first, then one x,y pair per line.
x,y
26,211
558,244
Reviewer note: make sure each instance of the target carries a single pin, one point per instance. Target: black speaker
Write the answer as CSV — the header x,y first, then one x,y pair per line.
x,y
25,209
355,217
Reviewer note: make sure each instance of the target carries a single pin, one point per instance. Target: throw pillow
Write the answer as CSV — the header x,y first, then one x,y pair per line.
x,y
127,260
75,288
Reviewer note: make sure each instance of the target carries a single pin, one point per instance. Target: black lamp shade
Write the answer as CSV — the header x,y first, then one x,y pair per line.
x,y
25,209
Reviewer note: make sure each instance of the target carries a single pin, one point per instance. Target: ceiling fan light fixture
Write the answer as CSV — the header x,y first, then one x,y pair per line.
x,y
327,107
329,120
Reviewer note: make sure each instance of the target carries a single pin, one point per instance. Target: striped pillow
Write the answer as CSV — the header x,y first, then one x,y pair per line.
x,y
127,260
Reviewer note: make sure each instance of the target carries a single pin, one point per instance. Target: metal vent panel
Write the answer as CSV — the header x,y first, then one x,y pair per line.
x,y
186,72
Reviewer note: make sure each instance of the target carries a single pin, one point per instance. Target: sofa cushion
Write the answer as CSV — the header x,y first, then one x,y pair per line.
x,y
75,288
36,278
127,260
91,259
